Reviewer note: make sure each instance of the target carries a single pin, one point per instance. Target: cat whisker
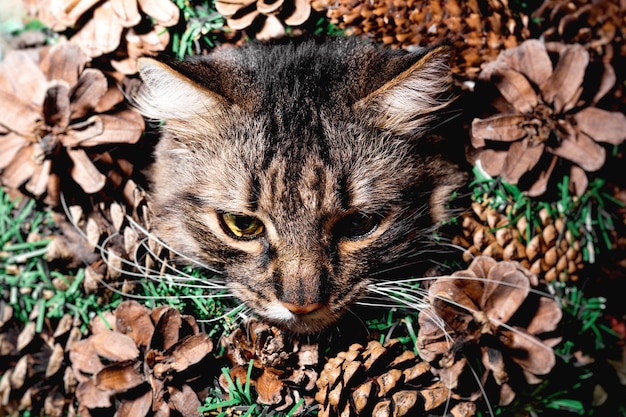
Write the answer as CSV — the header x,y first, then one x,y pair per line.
x,y
182,276
177,253
455,113
401,266
360,320
496,322
483,392
403,298
403,288
420,255
408,284
179,277
212,288
236,314
405,293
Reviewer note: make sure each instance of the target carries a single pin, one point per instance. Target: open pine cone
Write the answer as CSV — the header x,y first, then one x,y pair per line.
x,y
56,115
264,19
284,369
384,380
34,367
100,26
598,25
478,31
545,116
492,306
149,361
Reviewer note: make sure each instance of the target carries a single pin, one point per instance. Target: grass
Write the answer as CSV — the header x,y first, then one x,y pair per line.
x,y
28,284
192,300
34,291
200,24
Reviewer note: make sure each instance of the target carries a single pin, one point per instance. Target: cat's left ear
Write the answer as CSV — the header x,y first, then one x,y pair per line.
x,y
167,94
406,104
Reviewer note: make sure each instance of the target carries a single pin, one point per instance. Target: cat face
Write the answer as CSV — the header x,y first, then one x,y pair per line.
x,y
301,171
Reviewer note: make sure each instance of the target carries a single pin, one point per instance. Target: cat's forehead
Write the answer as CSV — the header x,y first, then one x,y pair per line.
x,y
318,177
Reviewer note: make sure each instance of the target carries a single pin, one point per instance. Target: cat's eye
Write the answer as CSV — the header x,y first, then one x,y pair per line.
x,y
357,225
241,226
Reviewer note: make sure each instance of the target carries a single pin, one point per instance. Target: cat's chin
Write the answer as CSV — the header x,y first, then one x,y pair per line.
x,y
312,322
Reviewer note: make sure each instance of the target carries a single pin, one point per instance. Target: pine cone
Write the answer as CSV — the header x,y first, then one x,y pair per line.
x,y
550,251
113,240
283,367
98,27
264,20
149,361
598,25
383,380
546,115
478,31
477,308
34,366
57,115
139,43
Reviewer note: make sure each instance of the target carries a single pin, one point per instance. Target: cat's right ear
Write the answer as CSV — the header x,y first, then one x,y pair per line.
x,y
408,102
166,94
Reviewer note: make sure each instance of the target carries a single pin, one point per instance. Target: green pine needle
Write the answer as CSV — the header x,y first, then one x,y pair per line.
x,y
202,22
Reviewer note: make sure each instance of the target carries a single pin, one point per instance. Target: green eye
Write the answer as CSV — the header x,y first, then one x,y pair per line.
x,y
242,227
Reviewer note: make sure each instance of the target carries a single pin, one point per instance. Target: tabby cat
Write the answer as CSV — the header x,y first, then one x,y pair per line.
x,y
301,170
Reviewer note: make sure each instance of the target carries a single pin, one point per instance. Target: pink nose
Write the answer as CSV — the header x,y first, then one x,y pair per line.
x,y
301,310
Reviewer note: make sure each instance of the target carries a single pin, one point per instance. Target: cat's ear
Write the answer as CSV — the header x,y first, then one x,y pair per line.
x,y
408,102
167,94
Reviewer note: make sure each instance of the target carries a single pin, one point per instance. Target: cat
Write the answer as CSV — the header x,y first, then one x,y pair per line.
x,y
302,169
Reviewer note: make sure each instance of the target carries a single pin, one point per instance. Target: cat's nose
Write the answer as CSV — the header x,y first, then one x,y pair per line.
x,y
302,309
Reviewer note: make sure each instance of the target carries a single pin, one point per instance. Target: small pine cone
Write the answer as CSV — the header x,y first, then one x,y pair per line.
x,y
478,31
58,119
383,380
284,369
264,20
99,27
548,250
34,366
113,239
142,361
545,116
473,313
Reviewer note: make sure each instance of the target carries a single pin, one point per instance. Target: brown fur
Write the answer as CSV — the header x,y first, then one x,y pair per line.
x,y
301,135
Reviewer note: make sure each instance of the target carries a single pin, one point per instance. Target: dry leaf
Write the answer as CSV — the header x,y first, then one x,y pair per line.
x,y
127,371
